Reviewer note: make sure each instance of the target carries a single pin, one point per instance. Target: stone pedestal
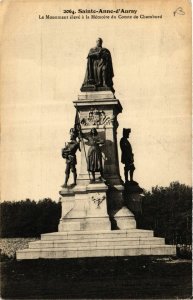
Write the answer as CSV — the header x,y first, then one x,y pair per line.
x,y
100,110
85,208
93,206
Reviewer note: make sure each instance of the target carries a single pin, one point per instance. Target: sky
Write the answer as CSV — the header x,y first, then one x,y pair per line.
x,y
43,65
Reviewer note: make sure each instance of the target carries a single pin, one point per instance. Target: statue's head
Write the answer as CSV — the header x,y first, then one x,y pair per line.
x,y
93,131
72,134
99,42
126,132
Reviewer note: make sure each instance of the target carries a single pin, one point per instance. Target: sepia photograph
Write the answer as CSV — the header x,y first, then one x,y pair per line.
x,y
96,149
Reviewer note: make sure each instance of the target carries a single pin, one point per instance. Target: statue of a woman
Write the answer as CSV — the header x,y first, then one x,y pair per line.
x,y
94,157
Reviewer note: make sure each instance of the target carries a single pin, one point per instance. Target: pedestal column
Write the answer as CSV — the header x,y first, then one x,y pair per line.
x,y
95,206
100,110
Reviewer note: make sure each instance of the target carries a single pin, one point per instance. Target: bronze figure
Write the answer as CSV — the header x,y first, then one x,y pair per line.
x,y
99,71
94,157
69,153
127,157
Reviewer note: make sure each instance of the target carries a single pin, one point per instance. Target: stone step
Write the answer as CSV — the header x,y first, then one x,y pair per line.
x,y
96,242
53,253
65,235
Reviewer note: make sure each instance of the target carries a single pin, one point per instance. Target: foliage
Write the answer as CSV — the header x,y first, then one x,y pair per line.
x,y
168,211
8,247
165,210
29,218
184,251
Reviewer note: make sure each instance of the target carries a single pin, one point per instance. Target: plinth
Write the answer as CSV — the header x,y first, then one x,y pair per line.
x,y
85,208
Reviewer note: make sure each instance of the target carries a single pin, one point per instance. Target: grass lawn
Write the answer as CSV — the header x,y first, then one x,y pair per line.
x,y
97,278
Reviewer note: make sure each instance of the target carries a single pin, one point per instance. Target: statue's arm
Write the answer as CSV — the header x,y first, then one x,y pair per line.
x,y
66,148
122,145
100,142
83,136
65,152
79,146
94,53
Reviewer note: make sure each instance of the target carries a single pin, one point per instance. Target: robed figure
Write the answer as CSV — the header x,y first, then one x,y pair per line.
x,y
99,71
94,155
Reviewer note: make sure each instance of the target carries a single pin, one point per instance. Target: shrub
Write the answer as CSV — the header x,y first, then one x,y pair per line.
x,y
29,218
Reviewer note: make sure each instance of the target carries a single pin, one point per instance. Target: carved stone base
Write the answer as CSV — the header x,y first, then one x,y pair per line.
x,y
133,187
124,219
87,208
94,88
95,207
100,95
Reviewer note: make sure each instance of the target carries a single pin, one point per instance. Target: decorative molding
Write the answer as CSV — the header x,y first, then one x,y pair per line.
x,y
97,117
98,199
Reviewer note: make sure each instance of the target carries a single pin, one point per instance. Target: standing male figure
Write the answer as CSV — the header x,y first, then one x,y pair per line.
x,y
127,157
69,153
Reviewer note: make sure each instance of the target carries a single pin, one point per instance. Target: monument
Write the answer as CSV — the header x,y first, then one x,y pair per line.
x,y
96,219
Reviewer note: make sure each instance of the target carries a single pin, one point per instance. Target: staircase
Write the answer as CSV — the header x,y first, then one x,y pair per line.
x,y
76,244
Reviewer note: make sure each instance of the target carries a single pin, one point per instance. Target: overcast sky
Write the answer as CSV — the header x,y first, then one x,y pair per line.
x,y
43,67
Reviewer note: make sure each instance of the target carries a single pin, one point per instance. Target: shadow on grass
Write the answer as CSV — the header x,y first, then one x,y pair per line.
x,y
107,278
